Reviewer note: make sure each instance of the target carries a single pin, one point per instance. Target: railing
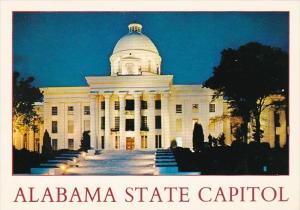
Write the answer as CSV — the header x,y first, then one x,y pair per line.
x,y
129,112
144,129
114,129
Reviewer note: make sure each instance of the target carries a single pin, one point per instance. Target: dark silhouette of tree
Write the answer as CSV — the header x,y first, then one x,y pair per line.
x,y
214,142
173,144
85,141
47,148
24,97
210,141
221,140
246,77
198,137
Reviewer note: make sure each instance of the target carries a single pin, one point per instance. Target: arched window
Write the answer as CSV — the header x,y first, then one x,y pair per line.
x,y
149,65
25,141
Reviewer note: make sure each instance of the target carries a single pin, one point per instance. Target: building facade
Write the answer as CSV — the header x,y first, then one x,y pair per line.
x,y
136,106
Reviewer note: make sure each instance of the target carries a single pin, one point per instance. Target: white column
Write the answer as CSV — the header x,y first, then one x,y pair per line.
x,y
272,128
107,123
97,145
137,120
122,121
165,121
93,121
283,128
151,121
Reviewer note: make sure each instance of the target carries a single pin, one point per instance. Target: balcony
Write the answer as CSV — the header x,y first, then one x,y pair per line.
x,y
144,128
129,112
114,129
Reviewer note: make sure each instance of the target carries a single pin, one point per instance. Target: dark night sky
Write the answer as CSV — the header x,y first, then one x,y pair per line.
x,y
60,49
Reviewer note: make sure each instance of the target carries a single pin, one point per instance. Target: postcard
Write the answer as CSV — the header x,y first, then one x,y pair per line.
x,y
149,105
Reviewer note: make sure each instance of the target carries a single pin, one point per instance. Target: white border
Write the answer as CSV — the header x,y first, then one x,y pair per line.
x,y
9,184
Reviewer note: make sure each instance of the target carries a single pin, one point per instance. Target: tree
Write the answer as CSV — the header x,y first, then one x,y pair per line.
x,y
210,141
198,137
246,77
47,148
24,97
221,139
85,141
173,144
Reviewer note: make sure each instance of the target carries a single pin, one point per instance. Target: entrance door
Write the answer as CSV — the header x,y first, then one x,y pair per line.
x,y
129,143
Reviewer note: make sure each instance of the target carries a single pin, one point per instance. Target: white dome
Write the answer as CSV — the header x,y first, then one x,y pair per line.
x,y
135,54
135,41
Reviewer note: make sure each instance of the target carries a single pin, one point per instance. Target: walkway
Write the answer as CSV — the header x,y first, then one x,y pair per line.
x,y
116,163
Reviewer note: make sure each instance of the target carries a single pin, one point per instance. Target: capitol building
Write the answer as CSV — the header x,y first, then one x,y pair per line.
x,y
136,107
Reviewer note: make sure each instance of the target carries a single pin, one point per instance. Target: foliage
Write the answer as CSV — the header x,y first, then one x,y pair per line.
x,y
173,144
214,142
85,141
221,140
24,97
239,159
198,137
210,141
47,148
24,160
246,77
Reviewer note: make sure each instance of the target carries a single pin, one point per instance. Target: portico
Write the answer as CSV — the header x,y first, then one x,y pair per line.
x,y
124,128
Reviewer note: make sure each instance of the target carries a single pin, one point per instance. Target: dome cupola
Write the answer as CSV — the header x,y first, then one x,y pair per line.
x,y
135,54
135,27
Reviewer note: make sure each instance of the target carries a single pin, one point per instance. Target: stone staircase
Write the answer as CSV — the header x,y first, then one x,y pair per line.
x,y
58,165
165,163
116,163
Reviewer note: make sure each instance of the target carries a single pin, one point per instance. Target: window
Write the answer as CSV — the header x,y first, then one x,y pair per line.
x,y
54,144
178,125
70,110
25,141
195,108
86,125
178,108
144,142
37,145
277,140
129,124
144,124
117,123
157,122
277,119
212,127
71,144
144,105
158,104
194,121
157,141
102,122
70,126
102,142
54,110
129,105
117,105
117,142
54,126
212,107
103,105
149,65
86,110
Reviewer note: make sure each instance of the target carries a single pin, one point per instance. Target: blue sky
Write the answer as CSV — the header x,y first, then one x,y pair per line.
x,y
60,49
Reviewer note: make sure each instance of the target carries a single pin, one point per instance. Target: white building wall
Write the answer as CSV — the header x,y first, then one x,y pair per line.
x,y
187,96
